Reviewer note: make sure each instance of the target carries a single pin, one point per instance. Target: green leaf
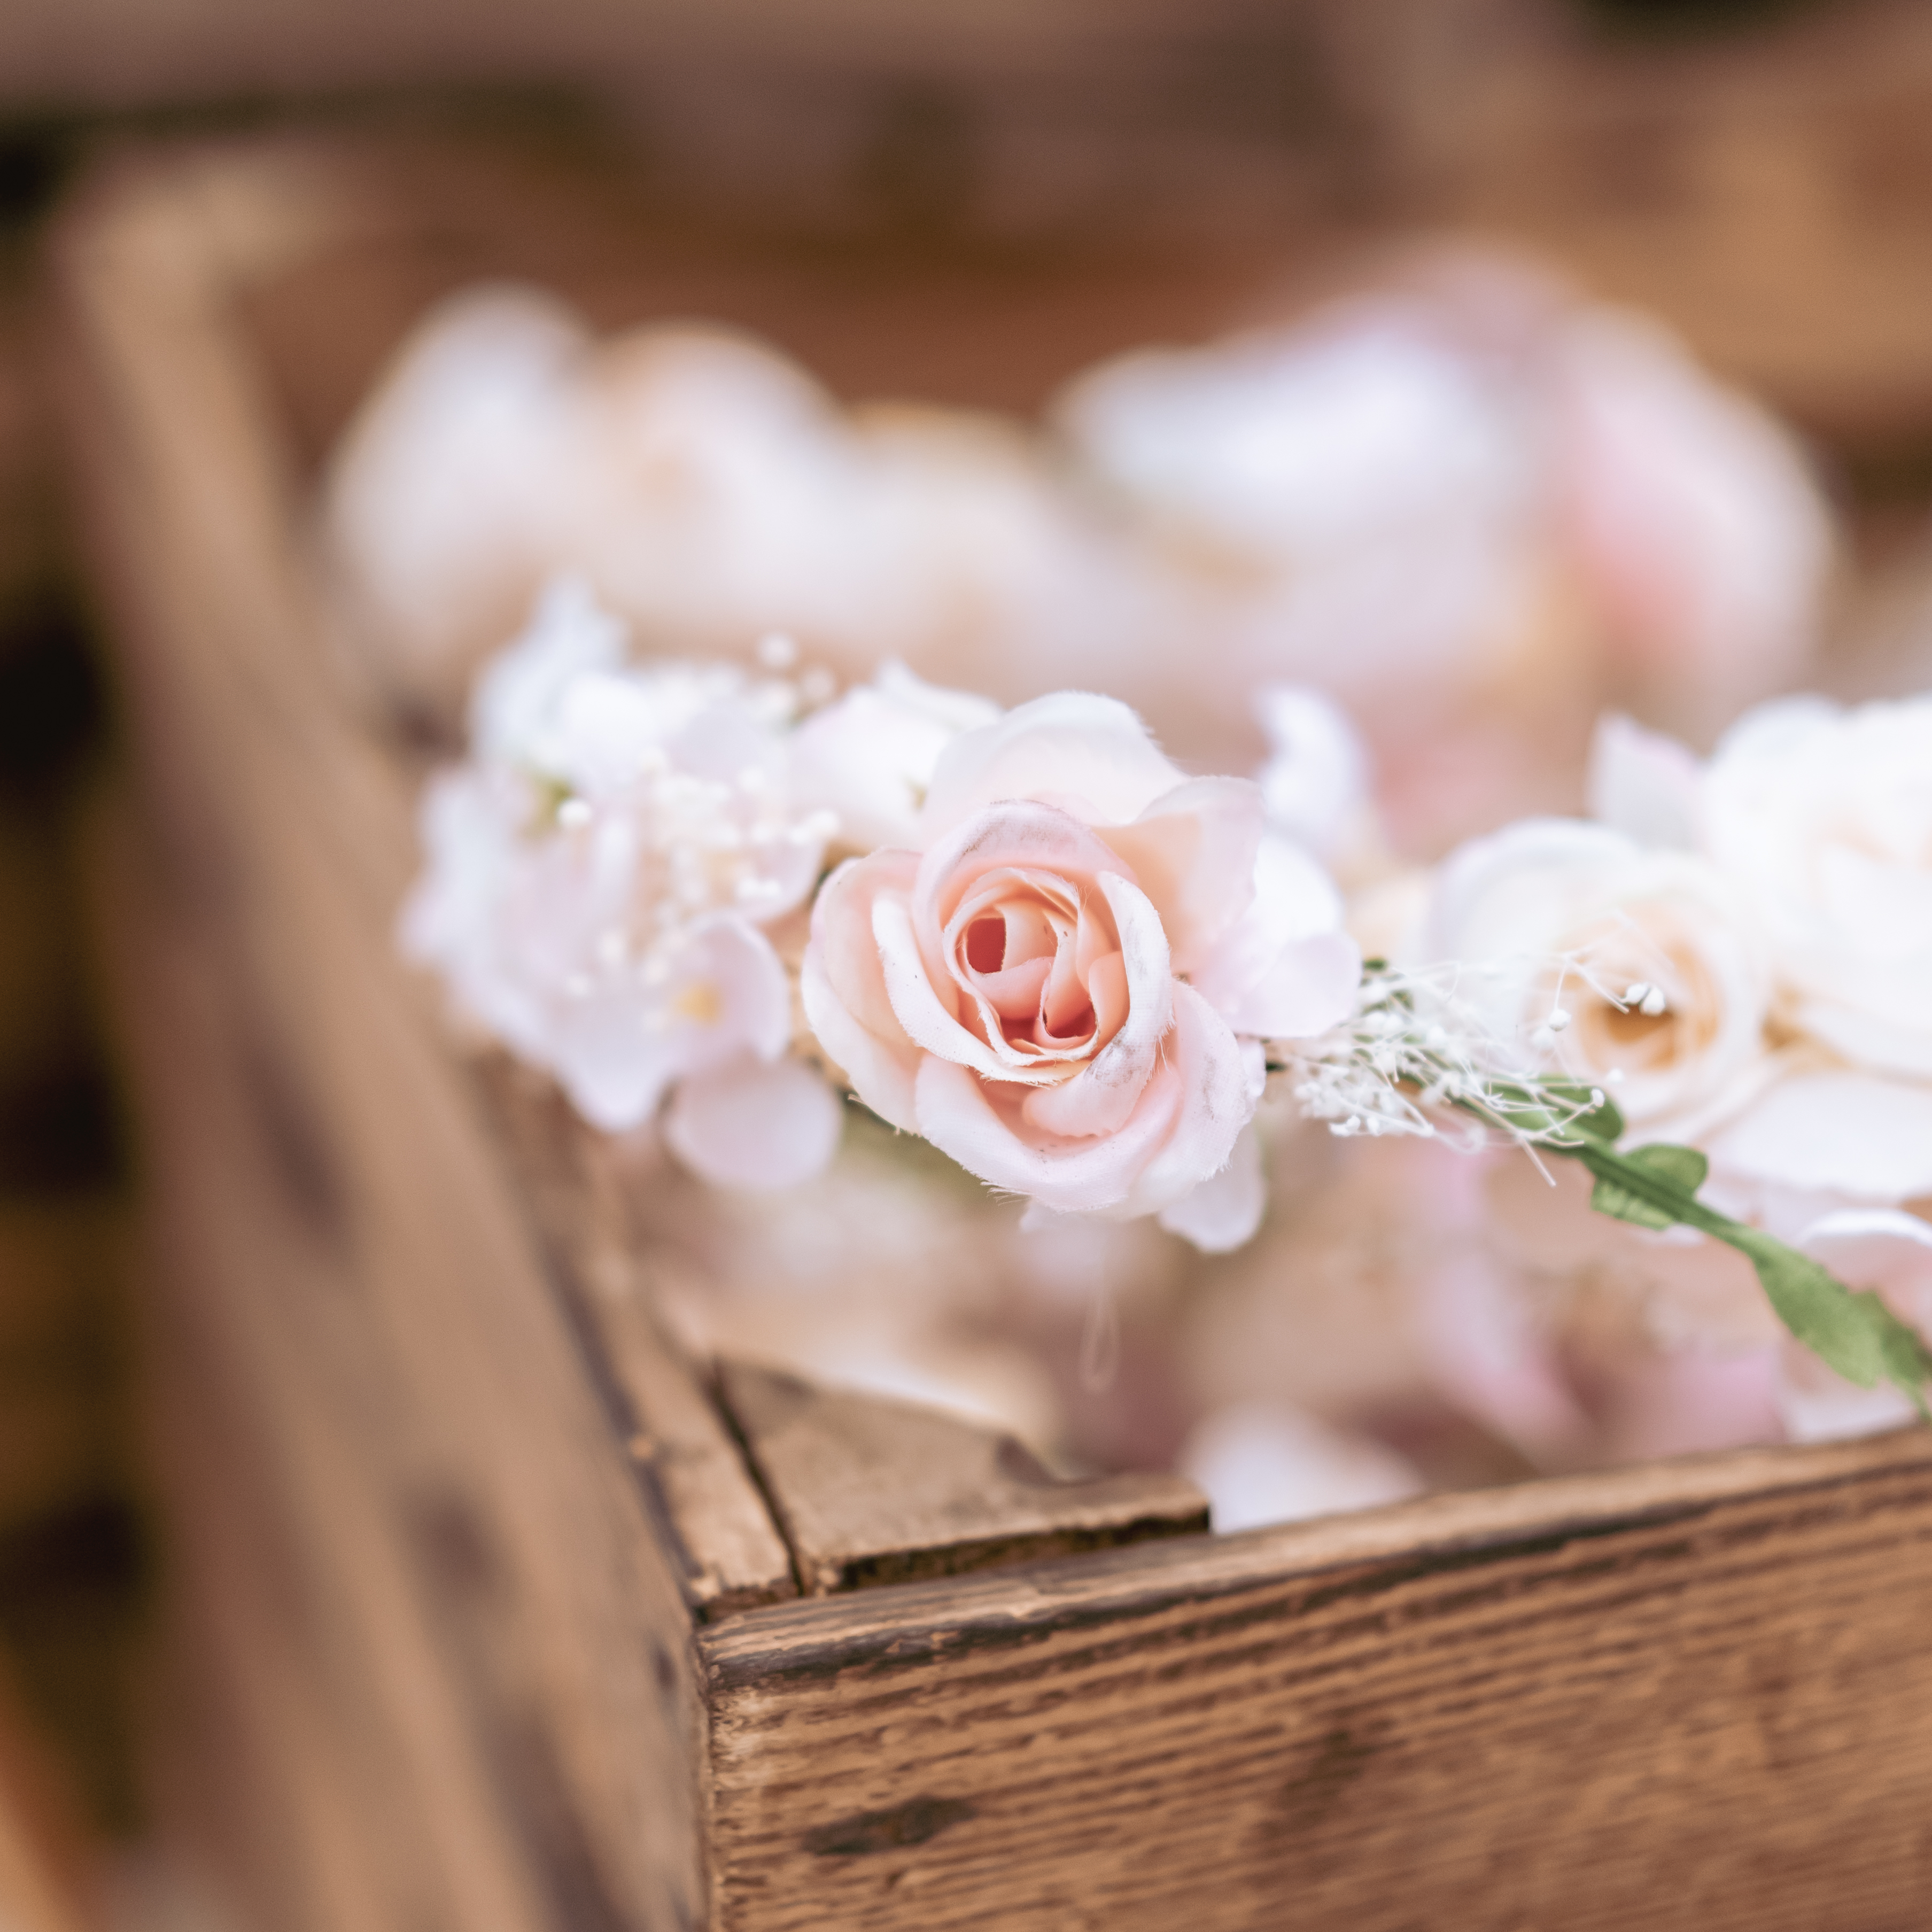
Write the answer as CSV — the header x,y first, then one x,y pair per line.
x,y
1853,1332
1601,1122
1552,1108
1613,1197
1653,1186
1681,1166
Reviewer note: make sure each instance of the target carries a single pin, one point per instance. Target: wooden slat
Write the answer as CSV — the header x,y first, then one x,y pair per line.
x,y
457,1470
872,1491
1695,1696
737,1556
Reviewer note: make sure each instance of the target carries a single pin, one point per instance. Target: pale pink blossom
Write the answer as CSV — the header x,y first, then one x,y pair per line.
x,y
1474,508
1692,516
1318,784
598,879
870,756
1065,987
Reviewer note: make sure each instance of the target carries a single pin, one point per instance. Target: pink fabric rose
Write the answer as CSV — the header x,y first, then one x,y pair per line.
x,y
1065,988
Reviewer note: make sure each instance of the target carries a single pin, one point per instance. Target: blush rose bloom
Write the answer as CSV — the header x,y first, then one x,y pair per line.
x,y
1066,986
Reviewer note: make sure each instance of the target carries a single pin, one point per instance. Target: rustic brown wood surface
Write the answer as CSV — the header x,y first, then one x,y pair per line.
x,y
493,1569
453,1517
738,1556
1694,1695
872,1491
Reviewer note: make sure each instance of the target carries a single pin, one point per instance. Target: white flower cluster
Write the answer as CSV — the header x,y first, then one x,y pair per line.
x,y
626,887
1737,952
1466,503
605,875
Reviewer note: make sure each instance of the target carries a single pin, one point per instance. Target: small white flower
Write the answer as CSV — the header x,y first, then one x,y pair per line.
x,y
597,880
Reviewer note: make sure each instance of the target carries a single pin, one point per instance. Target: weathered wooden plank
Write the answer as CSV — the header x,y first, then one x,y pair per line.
x,y
1697,1695
419,1369
735,1555
873,1491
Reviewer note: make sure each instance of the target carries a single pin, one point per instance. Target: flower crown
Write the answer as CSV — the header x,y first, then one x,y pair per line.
x,y
716,902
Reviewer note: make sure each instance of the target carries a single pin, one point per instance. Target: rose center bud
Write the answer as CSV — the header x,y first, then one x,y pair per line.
x,y
986,945
1029,957
1678,1022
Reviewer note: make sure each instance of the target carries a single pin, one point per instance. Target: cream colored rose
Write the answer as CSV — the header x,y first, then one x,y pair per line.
x,y
1630,968
1823,817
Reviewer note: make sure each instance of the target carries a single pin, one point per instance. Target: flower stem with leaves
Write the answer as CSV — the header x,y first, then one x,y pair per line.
x,y
1416,1049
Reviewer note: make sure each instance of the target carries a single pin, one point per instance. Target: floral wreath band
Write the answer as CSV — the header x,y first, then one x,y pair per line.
x,y
713,902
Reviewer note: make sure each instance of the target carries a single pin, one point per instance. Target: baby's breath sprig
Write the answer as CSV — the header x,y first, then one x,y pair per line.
x,y
1416,1058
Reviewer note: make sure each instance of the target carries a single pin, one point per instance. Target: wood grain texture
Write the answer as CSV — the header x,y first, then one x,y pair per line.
x,y
389,1324
1696,1695
872,1491
715,1514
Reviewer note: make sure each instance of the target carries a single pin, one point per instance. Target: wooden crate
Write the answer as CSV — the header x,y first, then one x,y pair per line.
x,y
497,1613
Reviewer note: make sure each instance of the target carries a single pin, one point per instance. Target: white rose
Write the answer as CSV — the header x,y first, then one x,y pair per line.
x,y
1823,817
1665,1006
439,511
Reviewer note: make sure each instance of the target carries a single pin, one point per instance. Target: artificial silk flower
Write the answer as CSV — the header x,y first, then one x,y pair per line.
x,y
1474,507
711,492
1065,986
1823,817
1317,785
869,757
599,878
1634,970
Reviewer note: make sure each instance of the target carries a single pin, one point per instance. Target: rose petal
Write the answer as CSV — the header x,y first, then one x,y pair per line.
x,y
842,984
1310,988
751,1124
1100,1098
1223,1211
1855,1134
927,1023
1071,746
1019,834
956,1112
1294,899
1193,852
1643,784
1220,1086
